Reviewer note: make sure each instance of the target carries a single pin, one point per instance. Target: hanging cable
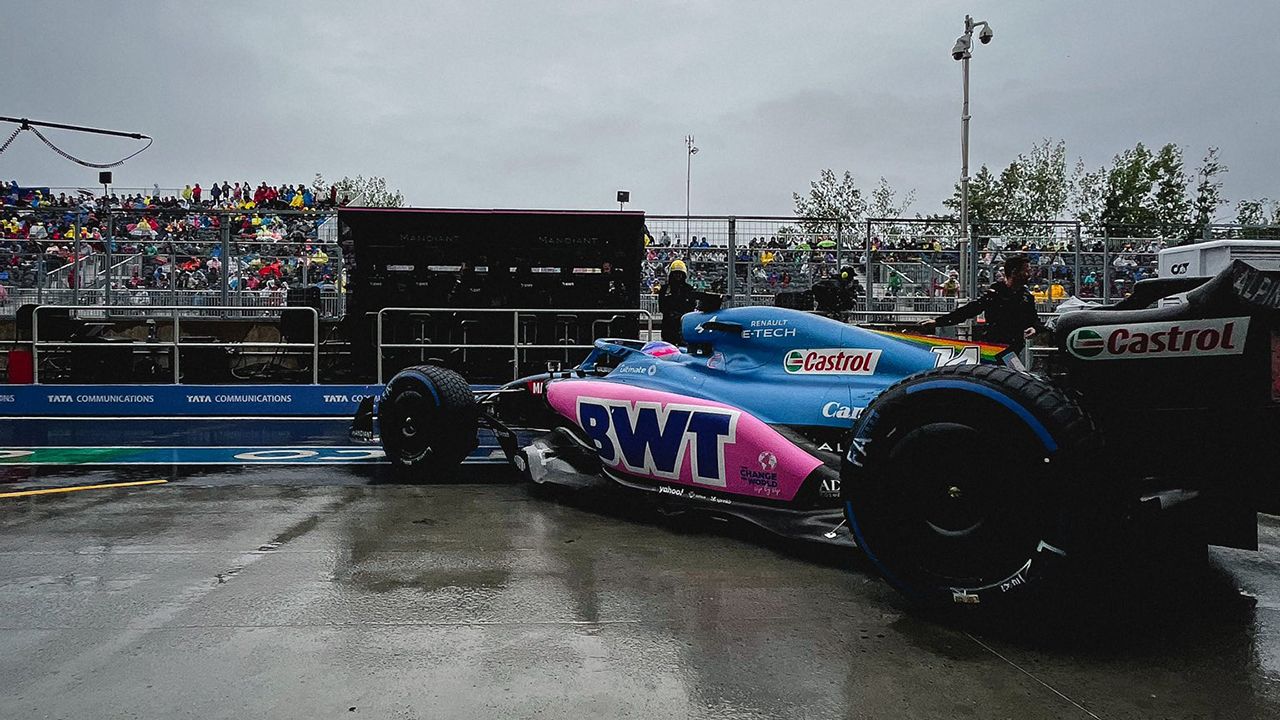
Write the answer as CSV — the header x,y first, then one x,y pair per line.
x,y
78,161
25,124
9,142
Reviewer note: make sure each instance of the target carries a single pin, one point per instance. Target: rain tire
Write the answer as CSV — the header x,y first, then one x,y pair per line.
x,y
969,485
427,419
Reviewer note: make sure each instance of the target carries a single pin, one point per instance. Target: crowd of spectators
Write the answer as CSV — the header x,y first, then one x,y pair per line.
x,y
161,242
905,265
219,196
173,241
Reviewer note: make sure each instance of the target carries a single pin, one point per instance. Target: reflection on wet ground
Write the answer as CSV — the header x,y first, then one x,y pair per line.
x,y
314,591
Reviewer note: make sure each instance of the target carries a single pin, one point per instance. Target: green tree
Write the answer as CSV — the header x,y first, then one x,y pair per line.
x,y
1169,204
1128,184
1010,199
984,198
1032,187
1255,212
830,200
884,201
1208,189
1087,195
365,192
1043,185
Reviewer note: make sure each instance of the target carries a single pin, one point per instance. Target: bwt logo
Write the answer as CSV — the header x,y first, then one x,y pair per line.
x,y
652,438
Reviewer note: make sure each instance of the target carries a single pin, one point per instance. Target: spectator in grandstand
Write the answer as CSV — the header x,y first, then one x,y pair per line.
x,y
677,297
951,286
1010,309
895,284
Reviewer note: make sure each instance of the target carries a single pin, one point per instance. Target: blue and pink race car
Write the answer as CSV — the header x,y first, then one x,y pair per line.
x,y
963,478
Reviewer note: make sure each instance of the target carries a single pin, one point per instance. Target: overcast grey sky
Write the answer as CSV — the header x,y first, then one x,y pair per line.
x,y
559,104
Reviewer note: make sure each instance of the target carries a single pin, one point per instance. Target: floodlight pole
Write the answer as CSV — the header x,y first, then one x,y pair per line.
x,y
691,150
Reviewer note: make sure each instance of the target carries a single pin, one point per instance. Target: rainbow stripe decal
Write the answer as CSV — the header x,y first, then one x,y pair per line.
x,y
988,351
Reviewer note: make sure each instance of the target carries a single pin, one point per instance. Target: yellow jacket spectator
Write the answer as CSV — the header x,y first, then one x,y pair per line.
x,y
1055,292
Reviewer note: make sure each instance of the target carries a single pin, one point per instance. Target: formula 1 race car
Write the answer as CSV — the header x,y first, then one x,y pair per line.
x,y
964,478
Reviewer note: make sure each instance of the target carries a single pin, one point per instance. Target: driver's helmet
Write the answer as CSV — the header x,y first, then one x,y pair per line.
x,y
659,349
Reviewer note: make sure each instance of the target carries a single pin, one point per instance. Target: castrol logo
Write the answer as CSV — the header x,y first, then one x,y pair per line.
x,y
1189,338
831,361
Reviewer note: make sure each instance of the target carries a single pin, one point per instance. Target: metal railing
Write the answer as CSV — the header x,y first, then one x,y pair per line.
x,y
140,303
515,345
104,312
80,251
1089,262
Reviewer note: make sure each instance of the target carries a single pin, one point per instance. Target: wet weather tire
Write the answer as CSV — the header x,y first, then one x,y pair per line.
x,y
427,418
970,485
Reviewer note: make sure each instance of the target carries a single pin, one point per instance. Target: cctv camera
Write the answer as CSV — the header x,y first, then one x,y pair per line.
x,y
961,48
985,36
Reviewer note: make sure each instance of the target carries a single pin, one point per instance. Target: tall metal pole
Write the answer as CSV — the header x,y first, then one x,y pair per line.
x,y
690,151
965,239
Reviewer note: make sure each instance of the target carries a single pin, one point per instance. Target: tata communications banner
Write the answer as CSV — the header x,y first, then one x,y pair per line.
x,y
182,400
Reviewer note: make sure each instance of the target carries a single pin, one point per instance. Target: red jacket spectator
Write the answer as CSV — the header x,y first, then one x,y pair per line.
x,y
195,193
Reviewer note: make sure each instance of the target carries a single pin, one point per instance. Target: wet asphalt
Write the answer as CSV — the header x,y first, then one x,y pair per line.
x,y
324,593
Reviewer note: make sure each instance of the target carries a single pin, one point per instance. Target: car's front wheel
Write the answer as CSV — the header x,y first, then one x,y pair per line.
x,y
427,419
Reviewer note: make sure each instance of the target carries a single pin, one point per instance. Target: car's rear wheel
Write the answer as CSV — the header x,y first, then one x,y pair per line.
x,y
427,419
968,484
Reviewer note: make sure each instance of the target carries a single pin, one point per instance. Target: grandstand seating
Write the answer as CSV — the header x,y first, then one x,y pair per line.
x,y
144,250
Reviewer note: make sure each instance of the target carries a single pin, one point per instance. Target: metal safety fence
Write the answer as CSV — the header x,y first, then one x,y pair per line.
x,y
162,255
910,263
142,257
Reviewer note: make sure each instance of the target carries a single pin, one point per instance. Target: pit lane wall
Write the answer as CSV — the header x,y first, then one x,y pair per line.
x,y
182,400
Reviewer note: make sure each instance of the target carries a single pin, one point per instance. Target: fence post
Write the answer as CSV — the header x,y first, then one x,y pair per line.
x,y
871,283
732,284
839,243
1075,283
973,259
1106,264
223,300
76,247
173,276
106,248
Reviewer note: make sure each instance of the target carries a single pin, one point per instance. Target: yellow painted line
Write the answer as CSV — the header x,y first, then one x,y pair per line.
x,y
50,491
